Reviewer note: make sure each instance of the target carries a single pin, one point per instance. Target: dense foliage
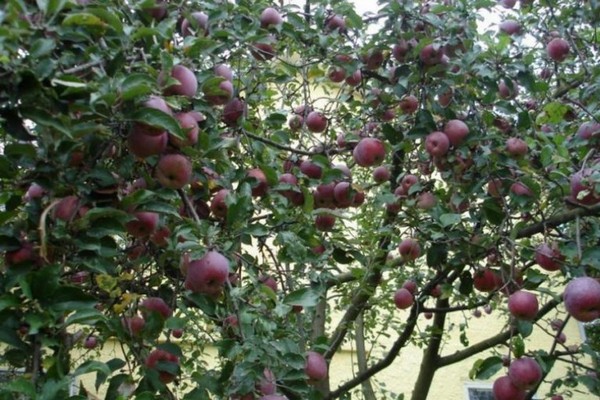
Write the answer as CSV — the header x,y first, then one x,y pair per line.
x,y
230,176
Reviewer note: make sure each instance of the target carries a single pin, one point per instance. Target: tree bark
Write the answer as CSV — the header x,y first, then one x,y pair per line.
x,y
361,357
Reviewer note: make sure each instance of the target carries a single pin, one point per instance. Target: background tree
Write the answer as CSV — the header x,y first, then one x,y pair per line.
x,y
236,172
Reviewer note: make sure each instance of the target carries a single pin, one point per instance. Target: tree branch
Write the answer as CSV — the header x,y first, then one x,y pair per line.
x,y
557,220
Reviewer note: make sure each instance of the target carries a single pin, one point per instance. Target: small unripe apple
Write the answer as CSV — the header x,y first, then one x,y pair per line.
x,y
558,49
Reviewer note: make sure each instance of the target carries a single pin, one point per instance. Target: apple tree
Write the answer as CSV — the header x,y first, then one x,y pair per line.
x,y
274,180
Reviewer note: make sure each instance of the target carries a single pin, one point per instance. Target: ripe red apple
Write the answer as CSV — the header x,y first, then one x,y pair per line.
x,y
403,298
557,397
316,122
504,389
583,185
510,27
343,194
224,71
267,385
189,125
582,299
548,258
66,208
156,305
208,274
336,74
188,84
400,50
219,94
177,333
485,280
296,122
311,169
409,104
261,186
408,181
516,147
25,253
431,54
437,144
523,305
495,187
508,92
409,249
323,195
143,225
369,152
410,285
174,171
264,51
199,24
381,174
457,131
373,59
525,373
335,23
558,49
355,79
294,196
218,205
142,144
270,17
90,342
233,111
159,356
588,130
315,367
508,3
445,97
133,325
325,222
426,201
520,189
34,191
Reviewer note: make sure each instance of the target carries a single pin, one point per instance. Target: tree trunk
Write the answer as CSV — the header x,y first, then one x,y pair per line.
x,y
361,356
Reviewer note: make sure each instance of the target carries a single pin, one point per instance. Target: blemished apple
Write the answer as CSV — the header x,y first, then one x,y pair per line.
x,y
270,17
504,389
260,186
233,111
525,373
315,367
218,206
549,258
315,122
510,27
174,171
403,299
188,83
381,174
158,356
157,305
335,23
208,274
457,131
409,104
189,125
325,222
198,25
369,152
296,122
431,54
437,144
583,187
66,208
523,305
409,249
582,299
143,145
558,49
143,224
516,147
220,94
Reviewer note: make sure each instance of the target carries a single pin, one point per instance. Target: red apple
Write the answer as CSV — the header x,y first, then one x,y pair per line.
x,y
144,224
325,222
426,201
343,194
431,54
510,27
189,125
504,389
335,23
270,17
520,189
157,357
485,280
90,342
457,131
177,333
403,298
508,3
220,94
234,111
548,258
34,191
588,130
133,325
445,97
311,169
409,249
381,174
495,187
316,122
523,305
355,79
155,305
294,196
508,91
260,186
188,84
336,74
267,384
208,274
525,373
198,24
516,147
66,208
264,51
582,299
409,104
218,205
323,195
583,187
315,367
369,152
142,144
400,50
437,144
174,171
410,285
558,49
296,122
224,71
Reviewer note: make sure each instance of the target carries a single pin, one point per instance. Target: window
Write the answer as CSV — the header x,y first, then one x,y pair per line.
x,y
481,391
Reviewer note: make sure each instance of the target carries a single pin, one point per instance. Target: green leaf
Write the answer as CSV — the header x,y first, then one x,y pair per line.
x,y
304,297
485,369
83,19
158,119
518,346
493,211
449,219
42,47
137,85
21,385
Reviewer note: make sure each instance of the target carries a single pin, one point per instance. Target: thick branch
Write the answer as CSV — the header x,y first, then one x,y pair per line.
x,y
361,357
558,220
492,341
